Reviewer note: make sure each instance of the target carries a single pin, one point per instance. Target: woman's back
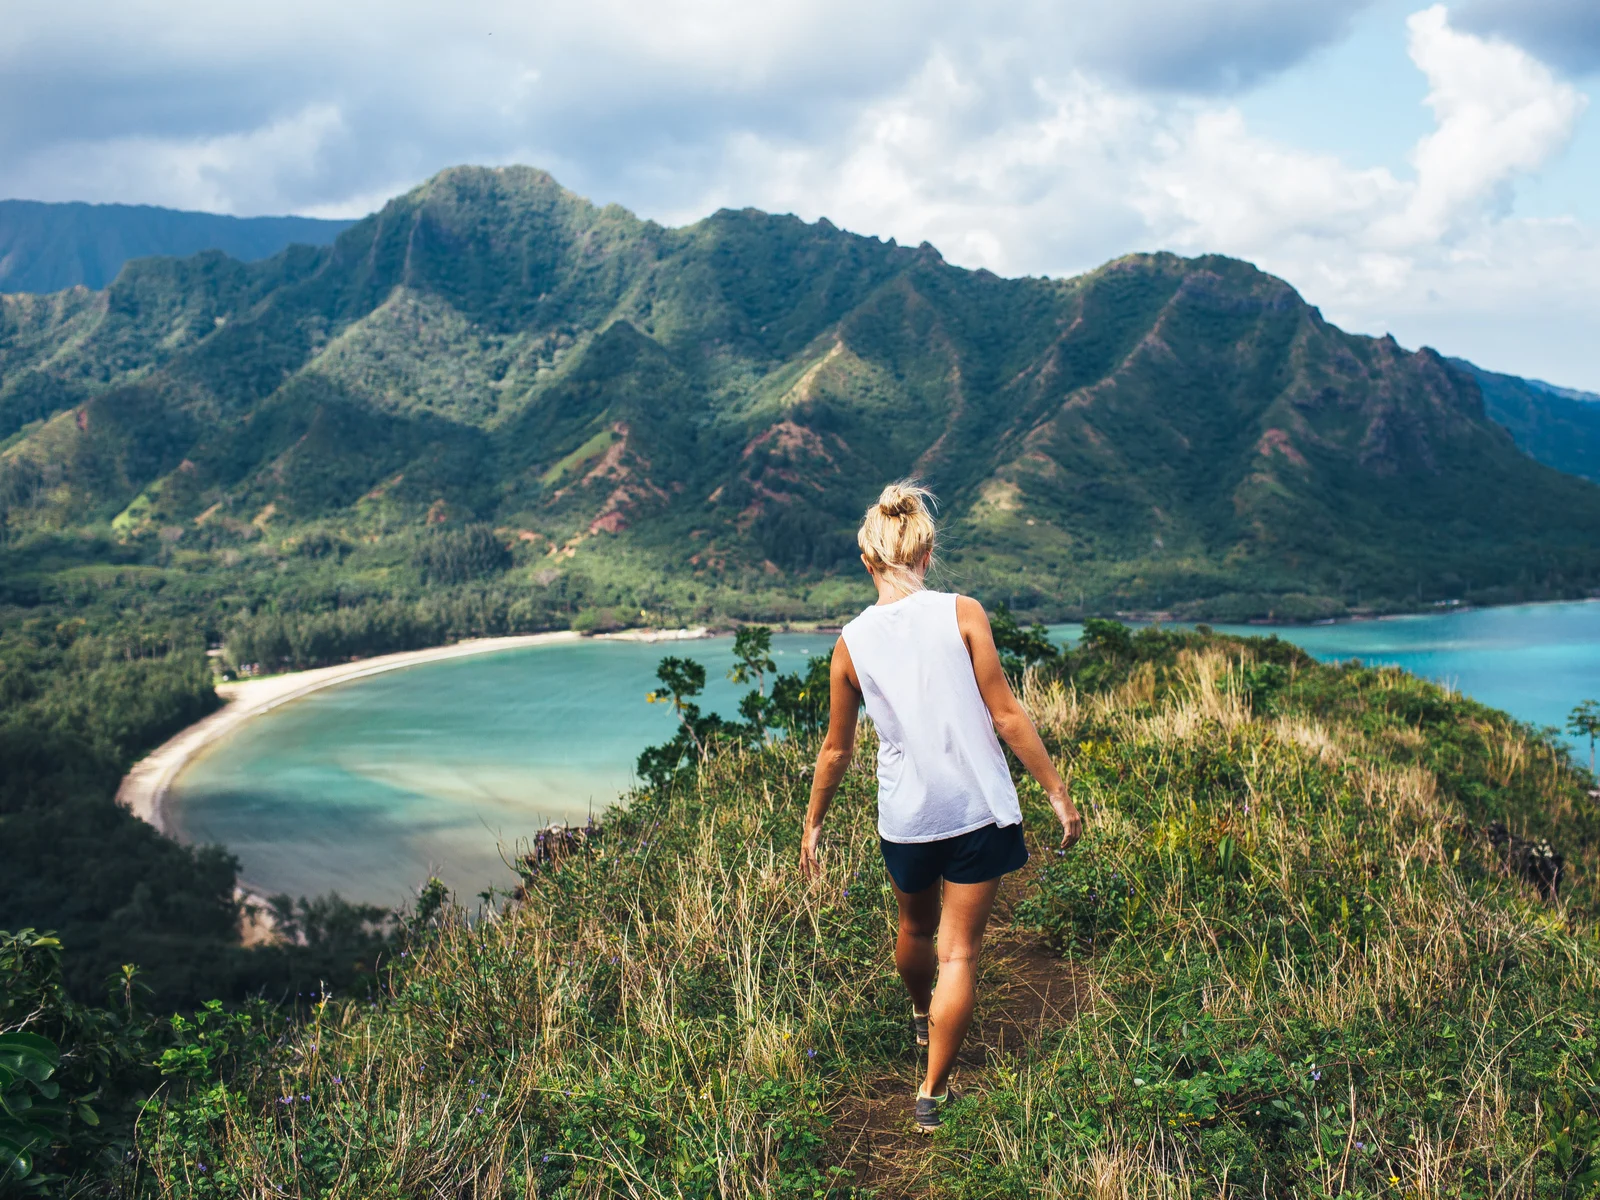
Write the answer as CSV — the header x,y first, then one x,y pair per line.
x,y
941,771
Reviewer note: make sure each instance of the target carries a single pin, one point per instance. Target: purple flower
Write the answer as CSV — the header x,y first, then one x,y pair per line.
x,y
479,1109
336,1079
1361,1145
811,1053
1316,1077
202,1166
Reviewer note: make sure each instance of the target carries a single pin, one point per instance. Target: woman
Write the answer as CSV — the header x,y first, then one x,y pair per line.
x,y
925,665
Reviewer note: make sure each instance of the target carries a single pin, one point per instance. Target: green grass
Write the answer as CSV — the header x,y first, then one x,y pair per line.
x,y
1306,972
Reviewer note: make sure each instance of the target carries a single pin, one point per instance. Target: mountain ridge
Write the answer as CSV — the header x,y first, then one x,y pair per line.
x,y
48,247
714,404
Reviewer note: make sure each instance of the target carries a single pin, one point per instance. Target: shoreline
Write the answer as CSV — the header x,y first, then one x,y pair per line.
x,y
1163,617
144,788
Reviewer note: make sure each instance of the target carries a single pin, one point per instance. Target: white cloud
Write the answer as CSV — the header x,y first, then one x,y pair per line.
x,y
1029,137
1500,113
1074,170
258,170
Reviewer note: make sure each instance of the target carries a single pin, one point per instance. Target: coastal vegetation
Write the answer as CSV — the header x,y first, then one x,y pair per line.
x,y
492,382
494,408
1332,931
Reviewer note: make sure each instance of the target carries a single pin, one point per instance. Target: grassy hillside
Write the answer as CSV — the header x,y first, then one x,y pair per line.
x,y
51,247
1288,958
693,418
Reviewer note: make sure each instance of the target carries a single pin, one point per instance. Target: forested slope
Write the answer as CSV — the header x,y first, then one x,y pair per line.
x,y
702,412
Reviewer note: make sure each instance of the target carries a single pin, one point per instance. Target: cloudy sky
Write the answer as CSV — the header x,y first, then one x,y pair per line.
x,y
1430,171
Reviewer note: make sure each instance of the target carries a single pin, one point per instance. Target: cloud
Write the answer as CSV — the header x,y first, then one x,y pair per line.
x,y
1029,137
608,93
1076,169
1563,32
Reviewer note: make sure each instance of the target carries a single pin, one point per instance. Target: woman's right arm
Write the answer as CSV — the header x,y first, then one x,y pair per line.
x,y
844,701
1011,720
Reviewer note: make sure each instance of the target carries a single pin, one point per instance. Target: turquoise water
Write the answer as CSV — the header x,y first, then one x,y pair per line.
x,y
369,787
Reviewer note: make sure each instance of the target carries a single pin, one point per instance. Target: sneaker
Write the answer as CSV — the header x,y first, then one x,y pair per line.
x,y
930,1110
919,1021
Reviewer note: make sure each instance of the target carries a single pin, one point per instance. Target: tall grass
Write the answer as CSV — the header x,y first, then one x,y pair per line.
x,y
1310,975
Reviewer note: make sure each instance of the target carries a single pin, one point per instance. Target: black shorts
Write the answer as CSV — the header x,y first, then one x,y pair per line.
x,y
976,856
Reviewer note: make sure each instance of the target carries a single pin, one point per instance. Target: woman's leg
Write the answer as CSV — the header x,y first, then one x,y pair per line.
x,y
913,947
966,913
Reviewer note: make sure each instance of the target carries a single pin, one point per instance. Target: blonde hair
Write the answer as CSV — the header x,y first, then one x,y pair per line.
x,y
898,532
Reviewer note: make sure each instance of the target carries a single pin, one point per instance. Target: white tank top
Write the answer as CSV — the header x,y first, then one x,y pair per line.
x,y
941,771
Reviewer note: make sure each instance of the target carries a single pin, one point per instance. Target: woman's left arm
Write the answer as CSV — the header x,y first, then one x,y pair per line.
x,y
844,701
1011,720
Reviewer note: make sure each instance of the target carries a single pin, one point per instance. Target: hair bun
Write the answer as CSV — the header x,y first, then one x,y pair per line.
x,y
897,501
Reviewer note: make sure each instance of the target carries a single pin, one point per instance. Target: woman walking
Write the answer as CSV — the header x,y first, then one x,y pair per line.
x,y
925,665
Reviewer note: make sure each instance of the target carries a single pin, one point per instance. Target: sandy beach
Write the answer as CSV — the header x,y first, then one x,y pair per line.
x,y
145,787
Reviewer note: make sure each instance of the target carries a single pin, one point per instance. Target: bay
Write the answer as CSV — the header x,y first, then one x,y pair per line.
x,y
369,787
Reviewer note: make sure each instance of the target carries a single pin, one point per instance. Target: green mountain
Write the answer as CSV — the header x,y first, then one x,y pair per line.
x,y
1558,426
695,413
49,247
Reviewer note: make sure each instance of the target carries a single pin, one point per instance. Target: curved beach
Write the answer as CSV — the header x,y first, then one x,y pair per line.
x,y
144,789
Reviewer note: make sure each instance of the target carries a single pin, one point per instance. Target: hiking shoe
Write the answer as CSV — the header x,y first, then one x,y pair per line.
x,y
930,1110
919,1021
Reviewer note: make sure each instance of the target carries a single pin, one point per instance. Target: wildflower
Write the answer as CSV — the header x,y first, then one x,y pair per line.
x,y
1316,1077
478,1109
305,1097
1361,1145
202,1166
811,1053
546,1158
336,1079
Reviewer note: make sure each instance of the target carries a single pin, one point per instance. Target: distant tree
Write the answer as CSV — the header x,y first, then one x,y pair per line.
x,y
1020,648
799,702
1584,721
457,555
682,679
1107,639
752,648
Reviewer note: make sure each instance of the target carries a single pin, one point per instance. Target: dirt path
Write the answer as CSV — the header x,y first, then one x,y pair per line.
x,y
1025,990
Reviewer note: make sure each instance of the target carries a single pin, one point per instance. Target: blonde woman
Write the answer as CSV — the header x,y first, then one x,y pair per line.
x,y
925,665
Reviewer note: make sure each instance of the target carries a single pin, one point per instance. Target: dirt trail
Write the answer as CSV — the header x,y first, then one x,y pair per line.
x,y
1025,990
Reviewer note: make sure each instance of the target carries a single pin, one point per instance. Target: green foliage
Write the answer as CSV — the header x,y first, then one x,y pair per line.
x,y
31,1114
1584,721
714,406
458,555
74,1076
1020,648
752,652
1309,971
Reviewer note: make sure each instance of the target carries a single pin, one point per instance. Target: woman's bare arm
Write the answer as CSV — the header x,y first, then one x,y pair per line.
x,y
844,702
1011,720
